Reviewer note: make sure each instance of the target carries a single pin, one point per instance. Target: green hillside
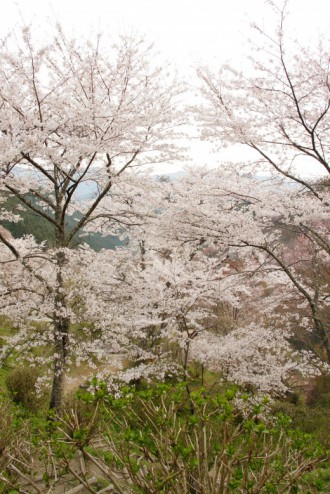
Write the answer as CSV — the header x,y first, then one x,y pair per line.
x,y
42,230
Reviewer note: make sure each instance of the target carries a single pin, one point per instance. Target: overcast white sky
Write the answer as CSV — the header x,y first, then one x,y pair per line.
x,y
184,31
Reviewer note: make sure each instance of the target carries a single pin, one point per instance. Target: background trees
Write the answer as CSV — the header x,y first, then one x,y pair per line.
x,y
280,110
219,218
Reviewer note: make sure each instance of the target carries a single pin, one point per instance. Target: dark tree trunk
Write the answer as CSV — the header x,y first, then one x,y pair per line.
x,y
322,329
60,347
61,333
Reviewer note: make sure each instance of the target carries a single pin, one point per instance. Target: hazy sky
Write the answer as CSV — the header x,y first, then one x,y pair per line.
x,y
185,31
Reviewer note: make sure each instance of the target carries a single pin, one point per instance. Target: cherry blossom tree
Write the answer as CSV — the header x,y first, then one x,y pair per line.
x,y
72,115
225,217
280,111
273,108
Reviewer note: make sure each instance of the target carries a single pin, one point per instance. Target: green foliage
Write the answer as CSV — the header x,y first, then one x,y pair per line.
x,y
312,417
30,224
42,230
13,434
6,424
80,419
21,384
165,448
162,440
316,481
311,414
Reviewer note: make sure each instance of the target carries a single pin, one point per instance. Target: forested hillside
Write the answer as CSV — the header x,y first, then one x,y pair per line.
x,y
33,224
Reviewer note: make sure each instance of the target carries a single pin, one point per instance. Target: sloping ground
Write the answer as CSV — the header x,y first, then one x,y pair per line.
x,y
79,375
82,478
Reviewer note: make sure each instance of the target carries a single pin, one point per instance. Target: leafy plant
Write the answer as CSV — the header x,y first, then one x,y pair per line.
x,y
154,444
21,383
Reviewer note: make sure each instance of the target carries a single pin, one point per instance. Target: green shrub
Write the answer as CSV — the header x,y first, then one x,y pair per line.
x,y
6,427
319,395
162,442
21,384
313,419
316,481
80,420
13,440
